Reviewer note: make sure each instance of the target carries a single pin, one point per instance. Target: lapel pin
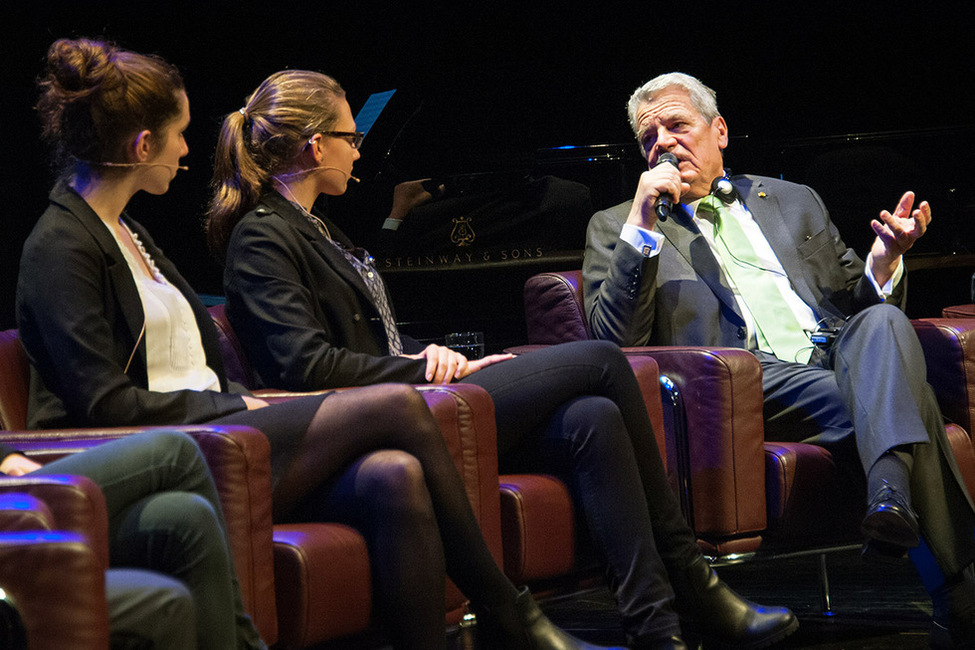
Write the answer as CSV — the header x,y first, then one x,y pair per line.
x,y
762,195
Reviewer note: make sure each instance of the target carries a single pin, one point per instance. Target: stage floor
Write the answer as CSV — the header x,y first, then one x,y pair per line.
x,y
874,607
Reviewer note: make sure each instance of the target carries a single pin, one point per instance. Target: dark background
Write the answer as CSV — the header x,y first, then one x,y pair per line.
x,y
862,100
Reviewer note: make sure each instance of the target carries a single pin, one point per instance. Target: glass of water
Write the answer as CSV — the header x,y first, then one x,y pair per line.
x,y
470,344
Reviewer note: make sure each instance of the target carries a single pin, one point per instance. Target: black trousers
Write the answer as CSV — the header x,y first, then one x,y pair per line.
x,y
576,410
869,394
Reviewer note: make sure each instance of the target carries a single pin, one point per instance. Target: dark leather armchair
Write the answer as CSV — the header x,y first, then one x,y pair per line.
x,y
53,556
239,458
742,494
949,349
323,569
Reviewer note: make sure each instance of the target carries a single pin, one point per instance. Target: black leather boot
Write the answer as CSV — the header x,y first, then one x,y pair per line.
x,y
709,607
521,625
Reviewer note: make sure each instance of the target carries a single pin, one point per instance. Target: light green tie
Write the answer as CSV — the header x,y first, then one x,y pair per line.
x,y
777,325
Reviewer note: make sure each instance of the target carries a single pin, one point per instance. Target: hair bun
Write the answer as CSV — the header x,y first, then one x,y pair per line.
x,y
94,95
81,66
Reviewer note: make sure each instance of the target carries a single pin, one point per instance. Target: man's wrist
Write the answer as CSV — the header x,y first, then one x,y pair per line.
x,y
883,274
647,242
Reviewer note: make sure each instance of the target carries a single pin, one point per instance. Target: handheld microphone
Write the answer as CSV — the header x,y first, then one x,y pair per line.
x,y
665,204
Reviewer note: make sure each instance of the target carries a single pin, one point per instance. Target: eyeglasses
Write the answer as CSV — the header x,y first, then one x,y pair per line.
x,y
356,136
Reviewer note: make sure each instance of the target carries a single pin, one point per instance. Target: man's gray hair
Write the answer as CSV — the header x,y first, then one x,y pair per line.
x,y
704,100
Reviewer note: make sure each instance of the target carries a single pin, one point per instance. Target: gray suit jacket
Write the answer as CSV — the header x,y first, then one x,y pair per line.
x,y
680,297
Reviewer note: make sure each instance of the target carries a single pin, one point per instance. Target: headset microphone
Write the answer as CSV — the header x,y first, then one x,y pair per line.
x,y
664,204
347,174
141,164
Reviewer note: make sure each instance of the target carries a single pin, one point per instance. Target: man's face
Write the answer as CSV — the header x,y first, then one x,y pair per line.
x,y
671,123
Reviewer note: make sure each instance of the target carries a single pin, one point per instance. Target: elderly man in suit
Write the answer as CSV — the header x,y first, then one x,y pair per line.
x,y
700,258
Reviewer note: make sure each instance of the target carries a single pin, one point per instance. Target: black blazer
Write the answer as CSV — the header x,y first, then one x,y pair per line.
x,y
301,311
680,296
79,317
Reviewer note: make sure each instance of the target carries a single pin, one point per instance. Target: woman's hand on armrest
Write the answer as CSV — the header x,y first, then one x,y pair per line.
x,y
18,465
253,403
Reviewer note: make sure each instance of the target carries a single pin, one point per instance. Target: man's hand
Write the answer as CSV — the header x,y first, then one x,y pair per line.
x,y
408,195
896,233
18,465
661,180
444,365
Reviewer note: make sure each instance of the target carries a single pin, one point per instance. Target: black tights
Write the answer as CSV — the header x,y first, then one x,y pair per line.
x,y
375,458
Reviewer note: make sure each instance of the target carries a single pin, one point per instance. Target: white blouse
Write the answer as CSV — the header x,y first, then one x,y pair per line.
x,y
174,350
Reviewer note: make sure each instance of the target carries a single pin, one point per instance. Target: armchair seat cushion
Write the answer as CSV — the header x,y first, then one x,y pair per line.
x,y
537,526
810,501
325,585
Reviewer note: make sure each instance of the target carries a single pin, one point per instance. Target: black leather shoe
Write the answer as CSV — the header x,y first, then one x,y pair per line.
x,y
890,520
709,607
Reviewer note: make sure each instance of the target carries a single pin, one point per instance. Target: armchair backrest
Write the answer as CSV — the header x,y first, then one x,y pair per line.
x,y
234,360
14,382
15,370
959,311
554,309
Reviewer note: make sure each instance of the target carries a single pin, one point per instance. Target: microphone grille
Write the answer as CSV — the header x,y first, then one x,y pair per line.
x,y
667,157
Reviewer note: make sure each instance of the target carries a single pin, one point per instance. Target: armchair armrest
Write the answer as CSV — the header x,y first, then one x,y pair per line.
x,y
721,391
949,350
58,584
949,353
75,504
55,579
20,511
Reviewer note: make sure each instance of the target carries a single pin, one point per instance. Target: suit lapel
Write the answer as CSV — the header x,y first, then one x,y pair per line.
x,y
118,268
767,212
683,234
328,251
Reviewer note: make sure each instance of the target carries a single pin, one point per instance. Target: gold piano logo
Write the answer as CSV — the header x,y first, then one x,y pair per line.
x,y
463,232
